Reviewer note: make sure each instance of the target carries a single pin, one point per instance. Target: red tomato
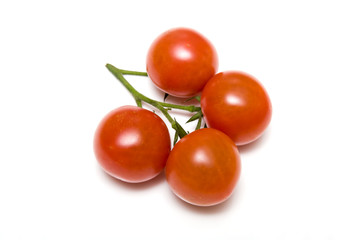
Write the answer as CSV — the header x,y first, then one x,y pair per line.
x,y
132,144
181,61
203,167
236,104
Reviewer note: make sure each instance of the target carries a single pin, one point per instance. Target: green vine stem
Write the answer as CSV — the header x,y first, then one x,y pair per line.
x,y
162,106
127,72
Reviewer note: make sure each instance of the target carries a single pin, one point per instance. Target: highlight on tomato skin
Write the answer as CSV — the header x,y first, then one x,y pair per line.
x,y
236,104
204,167
180,62
132,144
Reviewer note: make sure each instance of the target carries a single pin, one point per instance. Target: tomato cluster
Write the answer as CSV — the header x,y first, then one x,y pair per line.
x,y
133,144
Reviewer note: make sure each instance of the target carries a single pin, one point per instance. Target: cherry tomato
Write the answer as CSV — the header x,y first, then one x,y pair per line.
x,y
203,167
181,61
236,104
132,144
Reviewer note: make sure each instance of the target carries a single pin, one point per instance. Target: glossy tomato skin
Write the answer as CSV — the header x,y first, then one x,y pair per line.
x,y
236,104
203,167
181,61
132,144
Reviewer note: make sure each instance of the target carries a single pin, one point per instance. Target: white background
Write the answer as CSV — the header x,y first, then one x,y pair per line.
x,y
299,181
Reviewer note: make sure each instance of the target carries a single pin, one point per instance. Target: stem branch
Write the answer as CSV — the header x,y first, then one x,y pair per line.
x,y
163,107
118,73
127,72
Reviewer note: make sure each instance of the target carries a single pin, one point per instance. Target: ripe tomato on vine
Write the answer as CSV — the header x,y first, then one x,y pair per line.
x,y
236,104
181,61
203,167
122,144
